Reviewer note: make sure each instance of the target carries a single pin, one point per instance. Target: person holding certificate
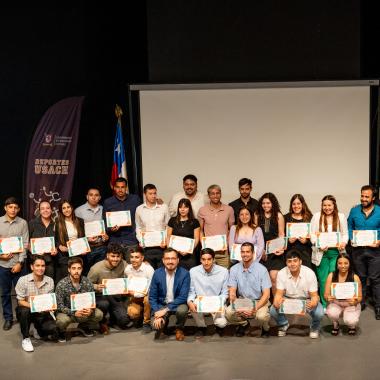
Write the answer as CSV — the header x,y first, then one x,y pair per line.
x,y
151,220
139,274
216,218
329,219
112,267
34,284
246,231
168,294
92,213
73,284
299,212
67,227
269,218
249,280
366,253
207,279
12,257
43,226
185,225
296,282
343,299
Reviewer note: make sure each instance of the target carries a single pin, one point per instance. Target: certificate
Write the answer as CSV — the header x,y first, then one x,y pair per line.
x,y
12,244
215,242
181,244
243,304
153,238
118,218
138,284
210,304
43,302
81,301
114,286
95,228
362,238
276,244
298,230
344,290
78,246
327,239
39,246
293,306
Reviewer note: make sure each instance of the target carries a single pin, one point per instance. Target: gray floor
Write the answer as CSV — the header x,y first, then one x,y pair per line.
x,y
131,355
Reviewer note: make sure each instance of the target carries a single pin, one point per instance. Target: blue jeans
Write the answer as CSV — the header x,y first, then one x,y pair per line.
x,y
97,254
316,315
7,279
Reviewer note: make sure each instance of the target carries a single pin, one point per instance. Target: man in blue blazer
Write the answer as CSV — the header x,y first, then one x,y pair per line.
x,y
168,294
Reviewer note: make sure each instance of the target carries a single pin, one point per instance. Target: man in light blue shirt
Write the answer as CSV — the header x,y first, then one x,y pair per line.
x,y
207,279
249,280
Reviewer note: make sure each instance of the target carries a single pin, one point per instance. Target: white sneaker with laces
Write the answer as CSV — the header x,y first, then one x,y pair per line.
x,y
282,330
27,345
314,334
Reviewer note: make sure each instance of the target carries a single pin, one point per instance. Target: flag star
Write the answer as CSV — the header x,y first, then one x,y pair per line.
x,y
118,149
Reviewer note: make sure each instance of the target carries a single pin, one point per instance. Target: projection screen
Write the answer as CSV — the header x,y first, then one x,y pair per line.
x,y
308,140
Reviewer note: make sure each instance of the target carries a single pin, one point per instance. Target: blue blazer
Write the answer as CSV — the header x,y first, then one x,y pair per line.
x,y
157,290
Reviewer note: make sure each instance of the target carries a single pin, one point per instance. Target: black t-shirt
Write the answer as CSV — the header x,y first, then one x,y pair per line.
x,y
183,228
237,204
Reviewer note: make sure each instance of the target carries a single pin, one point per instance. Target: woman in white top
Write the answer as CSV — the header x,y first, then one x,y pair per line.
x,y
329,219
67,227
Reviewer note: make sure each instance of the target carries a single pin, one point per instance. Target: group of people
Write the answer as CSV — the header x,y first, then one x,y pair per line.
x,y
260,285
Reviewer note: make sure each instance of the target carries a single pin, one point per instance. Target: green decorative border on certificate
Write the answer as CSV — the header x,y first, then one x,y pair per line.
x,y
303,312
33,307
221,304
355,233
163,237
105,292
92,296
88,249
318,242
20,244
223,237
253,305
190,249
356,289
288,228
32,246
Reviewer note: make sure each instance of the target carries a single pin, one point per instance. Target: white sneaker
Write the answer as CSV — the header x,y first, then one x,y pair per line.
x,y
33,332
282,330
27,345
314,334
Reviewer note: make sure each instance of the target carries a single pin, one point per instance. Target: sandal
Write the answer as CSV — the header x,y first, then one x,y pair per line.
x,y
335,331
352,332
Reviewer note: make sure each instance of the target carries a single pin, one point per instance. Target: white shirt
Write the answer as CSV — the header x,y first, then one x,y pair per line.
x,y
342,227
299,287
197,202
150,219
145,270
170,286
72,232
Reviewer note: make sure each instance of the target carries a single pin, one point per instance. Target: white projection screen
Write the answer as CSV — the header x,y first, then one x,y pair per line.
x,y
308,140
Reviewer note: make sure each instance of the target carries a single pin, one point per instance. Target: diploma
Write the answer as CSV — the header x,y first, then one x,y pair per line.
x,y
235,252
43,302
210,304
12,244
95,228
181,244
344,290
327,239
293,306
298,230
215,242
114,286
81,301
78,246
39,246
363,238
153,238
138,284
243,304
118,218
276,244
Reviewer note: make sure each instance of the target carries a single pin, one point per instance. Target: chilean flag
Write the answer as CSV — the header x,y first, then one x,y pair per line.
x,y
119,167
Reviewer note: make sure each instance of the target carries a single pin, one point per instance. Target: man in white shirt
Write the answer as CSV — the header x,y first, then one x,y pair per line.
x,y
190,191
297,281
151,217
138,303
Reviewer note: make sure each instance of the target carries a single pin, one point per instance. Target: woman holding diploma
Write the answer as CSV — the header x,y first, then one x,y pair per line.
x,y
185,225
350,307
246,231
299,212
67,227
329,219
269,218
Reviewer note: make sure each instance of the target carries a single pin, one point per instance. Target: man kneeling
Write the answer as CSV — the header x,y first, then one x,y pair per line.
x,y
75,283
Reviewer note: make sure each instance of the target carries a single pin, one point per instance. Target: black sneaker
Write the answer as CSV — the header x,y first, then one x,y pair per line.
x,y
146,328
200,333
219,331
62,337
240,331
265,333
87,332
